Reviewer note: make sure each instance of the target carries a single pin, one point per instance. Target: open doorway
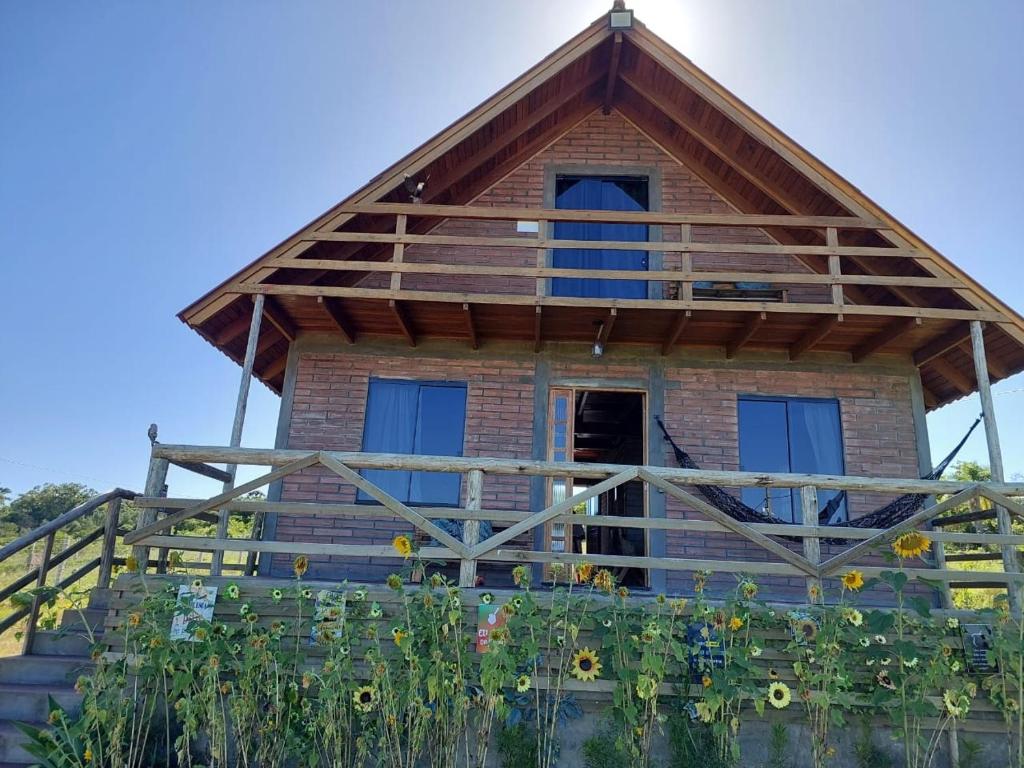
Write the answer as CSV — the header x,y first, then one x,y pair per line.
x,y
601,427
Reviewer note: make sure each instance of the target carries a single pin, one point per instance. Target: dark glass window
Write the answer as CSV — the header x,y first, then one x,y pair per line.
x,y
600,193
423,418
790,435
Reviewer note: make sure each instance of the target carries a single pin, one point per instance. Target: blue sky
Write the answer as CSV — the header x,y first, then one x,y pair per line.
x,y
147,150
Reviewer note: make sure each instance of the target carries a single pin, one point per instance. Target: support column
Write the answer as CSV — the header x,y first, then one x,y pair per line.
x,y
812,545
156,484
995,456
471,528
217,562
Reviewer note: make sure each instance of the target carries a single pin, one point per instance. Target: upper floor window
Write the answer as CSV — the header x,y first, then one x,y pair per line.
x,y
600,193
789,434
415,417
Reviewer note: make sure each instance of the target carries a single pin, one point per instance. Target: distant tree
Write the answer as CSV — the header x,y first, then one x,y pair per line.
x,y
970,471
5,497
45,502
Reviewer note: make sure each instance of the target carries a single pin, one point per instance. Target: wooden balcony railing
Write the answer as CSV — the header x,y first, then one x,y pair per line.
x,y
776,550
674,237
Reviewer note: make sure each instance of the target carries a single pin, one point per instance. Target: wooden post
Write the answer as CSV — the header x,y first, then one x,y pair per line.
x,y
37,600
686,263
812,545
217,558
398,253
995,456
471,529
110,523
542,252
155,484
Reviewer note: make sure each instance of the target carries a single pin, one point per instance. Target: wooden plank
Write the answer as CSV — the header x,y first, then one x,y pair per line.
x,y
686,275
213,544
402,318
38,598
746,333
678,326
567,301
613,73
393,504
307,460
203,469
812,545
884,337
995,368
333,308
111,522
275,368
817,333
832,565
279,319
467,313
231,331
953,375
471,528
554,510
605,331
538,324
398,251
733,525
940,345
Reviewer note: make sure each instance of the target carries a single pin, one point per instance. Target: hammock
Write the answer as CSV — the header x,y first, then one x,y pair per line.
x,y
896,511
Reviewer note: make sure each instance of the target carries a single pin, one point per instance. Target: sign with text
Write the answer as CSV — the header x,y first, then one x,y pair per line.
x,y
489,618
195,604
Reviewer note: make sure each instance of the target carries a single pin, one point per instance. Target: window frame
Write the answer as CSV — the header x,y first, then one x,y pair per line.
x,y
786,400
362,498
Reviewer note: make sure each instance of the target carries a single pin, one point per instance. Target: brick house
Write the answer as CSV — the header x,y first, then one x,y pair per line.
x,y
776,319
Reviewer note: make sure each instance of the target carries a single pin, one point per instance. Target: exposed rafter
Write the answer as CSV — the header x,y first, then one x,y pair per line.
x,y
334,310
402,318
613,73
884,337
467,313
814,335
953,375
678,326
279,319
746,333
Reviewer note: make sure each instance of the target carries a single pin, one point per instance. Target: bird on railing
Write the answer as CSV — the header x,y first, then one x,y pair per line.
x,y
152,434
415,188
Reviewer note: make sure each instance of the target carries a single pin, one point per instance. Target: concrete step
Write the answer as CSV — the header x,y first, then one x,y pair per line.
x,y
11,740
30,703
43,669
61,642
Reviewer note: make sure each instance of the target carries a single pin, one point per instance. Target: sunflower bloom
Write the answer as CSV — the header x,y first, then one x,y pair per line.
x,y
586,665
364,698
735,623
300,565
402,545
912,544
646,687
523,683
853,580
779,695
604,581
584,572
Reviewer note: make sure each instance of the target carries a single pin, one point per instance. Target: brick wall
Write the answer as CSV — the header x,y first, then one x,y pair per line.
x,y
605,140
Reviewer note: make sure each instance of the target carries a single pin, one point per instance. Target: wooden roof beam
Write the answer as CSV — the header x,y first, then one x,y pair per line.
x,y
953,375
334,310
613,73
678,326
275,368
467,313
750,327
995,368
820,328
537,326
279,319
605,331
884,337
233,330
940,345
402,318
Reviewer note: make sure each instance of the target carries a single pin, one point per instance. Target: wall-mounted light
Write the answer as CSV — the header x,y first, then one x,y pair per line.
x,y
620,17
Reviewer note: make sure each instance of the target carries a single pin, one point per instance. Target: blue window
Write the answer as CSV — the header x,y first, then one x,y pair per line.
x,y
414,417
782,434
600,193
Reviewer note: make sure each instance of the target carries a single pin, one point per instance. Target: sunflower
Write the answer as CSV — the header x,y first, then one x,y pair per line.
x,y
853,580
700,579
952,622
911,544
956,704
359,595
748,589
773,674
606,623
735,623
300,565
375,611
586,666
779,695
521,576
885,681
584,572
134,619
394,581
756,651
864,642
718,620
622,592
197,584
704,712
646,687
706,681
486,598
523,683
364,698
276,595
402,545
398,635
244,610
853,616
678,605
806,629
880,639
232,591
604,581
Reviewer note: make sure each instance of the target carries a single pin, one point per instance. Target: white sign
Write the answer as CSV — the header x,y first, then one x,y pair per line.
x,y
194,604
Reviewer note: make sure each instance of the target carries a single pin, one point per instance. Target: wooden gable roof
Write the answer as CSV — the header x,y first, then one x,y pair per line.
x,y
747,161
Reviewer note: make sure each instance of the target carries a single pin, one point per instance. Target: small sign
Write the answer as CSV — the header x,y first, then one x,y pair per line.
x,y
977,643
194,604
489,618
706,651
328,616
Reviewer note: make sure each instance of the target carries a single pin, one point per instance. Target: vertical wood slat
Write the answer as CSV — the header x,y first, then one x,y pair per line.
x,y
995,457
471,528
156,480
37,600
812,545
686,236
398,251
217,558
542,252
834,270
110,524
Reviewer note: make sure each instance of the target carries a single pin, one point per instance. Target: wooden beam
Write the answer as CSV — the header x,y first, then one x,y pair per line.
x,y
678,326
334,310
953,375
746,333
402,318
467,313
995,368
279,319
884,337
274,369
613,73
940,345
537,325
606,327
232,330
398,249
820,328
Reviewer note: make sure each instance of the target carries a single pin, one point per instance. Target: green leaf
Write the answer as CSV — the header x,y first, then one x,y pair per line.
x,y
921,605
